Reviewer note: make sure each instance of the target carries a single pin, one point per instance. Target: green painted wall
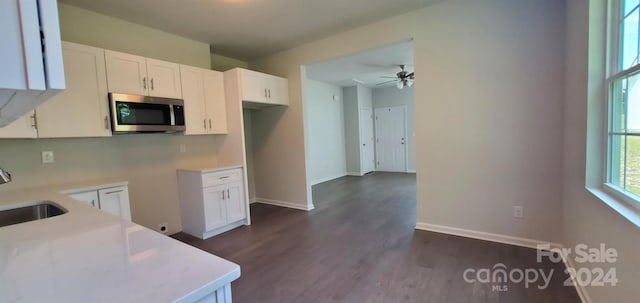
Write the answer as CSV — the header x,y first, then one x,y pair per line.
x,y
224,63
90,28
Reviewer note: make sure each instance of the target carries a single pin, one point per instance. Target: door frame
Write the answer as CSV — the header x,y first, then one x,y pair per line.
x,y
406,139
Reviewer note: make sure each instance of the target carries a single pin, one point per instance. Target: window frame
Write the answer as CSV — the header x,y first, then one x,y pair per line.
x,y
614,72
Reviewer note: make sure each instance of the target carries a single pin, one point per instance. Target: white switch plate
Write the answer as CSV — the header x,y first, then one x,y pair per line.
x,y
518,212
47,157
183,148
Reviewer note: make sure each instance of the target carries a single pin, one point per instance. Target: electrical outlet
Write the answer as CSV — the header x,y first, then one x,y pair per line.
x,y
163,228
47,157
183,148
518,212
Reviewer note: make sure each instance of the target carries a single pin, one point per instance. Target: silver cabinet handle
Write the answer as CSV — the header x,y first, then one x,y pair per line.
x,y
34,121
228,195
269,93
114,192
223,195
210,124
205,123
152,88
265,93
106,122
225,177
144,82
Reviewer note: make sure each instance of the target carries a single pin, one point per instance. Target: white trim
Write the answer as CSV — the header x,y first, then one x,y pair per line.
x,y
467,233
325,179
355,174
582,292
284,204
411,171
223,229
253,200
627,211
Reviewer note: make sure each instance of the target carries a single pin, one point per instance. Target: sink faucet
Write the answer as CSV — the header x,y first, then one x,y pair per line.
x,y
5,176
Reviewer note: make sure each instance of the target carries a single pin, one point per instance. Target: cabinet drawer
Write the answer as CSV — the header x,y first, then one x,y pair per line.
x,y
222,177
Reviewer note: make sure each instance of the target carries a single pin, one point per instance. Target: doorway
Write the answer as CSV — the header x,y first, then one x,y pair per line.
x,y
367,145
391,138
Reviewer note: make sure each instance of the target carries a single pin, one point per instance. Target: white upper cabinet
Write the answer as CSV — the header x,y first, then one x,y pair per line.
x,y
131,74
204,99
30,55
23,128
164,79
216,104
83,106
126,74
261,88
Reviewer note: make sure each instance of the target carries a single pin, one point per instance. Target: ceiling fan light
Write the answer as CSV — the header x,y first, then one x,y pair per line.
x,y
410,83
399,84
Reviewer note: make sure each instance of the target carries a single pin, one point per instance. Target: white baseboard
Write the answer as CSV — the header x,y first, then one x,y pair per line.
x,y
467,233
284,204
253,200
325,179
411,171
355,174
582,292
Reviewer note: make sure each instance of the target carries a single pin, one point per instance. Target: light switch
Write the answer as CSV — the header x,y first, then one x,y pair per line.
x,y
47,157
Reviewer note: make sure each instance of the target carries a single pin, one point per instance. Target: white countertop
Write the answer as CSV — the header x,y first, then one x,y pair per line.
x,y
87,255
205,169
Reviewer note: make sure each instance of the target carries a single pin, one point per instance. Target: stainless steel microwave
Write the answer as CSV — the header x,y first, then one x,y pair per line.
x,y
134,113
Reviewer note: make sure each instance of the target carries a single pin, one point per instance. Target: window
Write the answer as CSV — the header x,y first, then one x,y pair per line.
x,y
623,152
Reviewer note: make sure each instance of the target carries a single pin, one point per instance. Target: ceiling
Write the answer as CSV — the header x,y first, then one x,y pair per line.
x,y
249,29
367,68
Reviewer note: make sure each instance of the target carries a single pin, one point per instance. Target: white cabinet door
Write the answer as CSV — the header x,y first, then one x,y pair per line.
x,y
278,90
115,201
235,203
126,73
82,109
253,87
90,197
215,214
23,128
194,100
216,105
164,79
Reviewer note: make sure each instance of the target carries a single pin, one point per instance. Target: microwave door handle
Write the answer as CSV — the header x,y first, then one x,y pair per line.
x,y
172,115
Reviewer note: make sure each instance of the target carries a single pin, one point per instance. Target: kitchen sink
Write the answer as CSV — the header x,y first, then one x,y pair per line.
x,y
38,211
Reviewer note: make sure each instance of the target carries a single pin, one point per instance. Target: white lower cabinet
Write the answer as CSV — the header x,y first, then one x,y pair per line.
x,y
114,200
211,201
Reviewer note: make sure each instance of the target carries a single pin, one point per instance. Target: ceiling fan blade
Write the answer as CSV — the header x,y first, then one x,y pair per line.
x,y
388,77
385,82
411,75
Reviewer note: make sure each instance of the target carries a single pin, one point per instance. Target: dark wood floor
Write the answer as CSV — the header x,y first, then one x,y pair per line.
x,y
359,245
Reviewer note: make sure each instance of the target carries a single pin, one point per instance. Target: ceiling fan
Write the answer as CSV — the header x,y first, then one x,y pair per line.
x,y
402,78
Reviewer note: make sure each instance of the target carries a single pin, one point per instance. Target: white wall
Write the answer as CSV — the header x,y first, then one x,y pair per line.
x,y
392,96
489,95
326,131
586,219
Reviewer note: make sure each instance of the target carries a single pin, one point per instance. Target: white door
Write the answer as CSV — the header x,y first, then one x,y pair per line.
x,y
367,151
164,79
194,100
215,213
215,102
84,103
126,73
391,153
115,201
235,202
253,86
90,197
24,127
